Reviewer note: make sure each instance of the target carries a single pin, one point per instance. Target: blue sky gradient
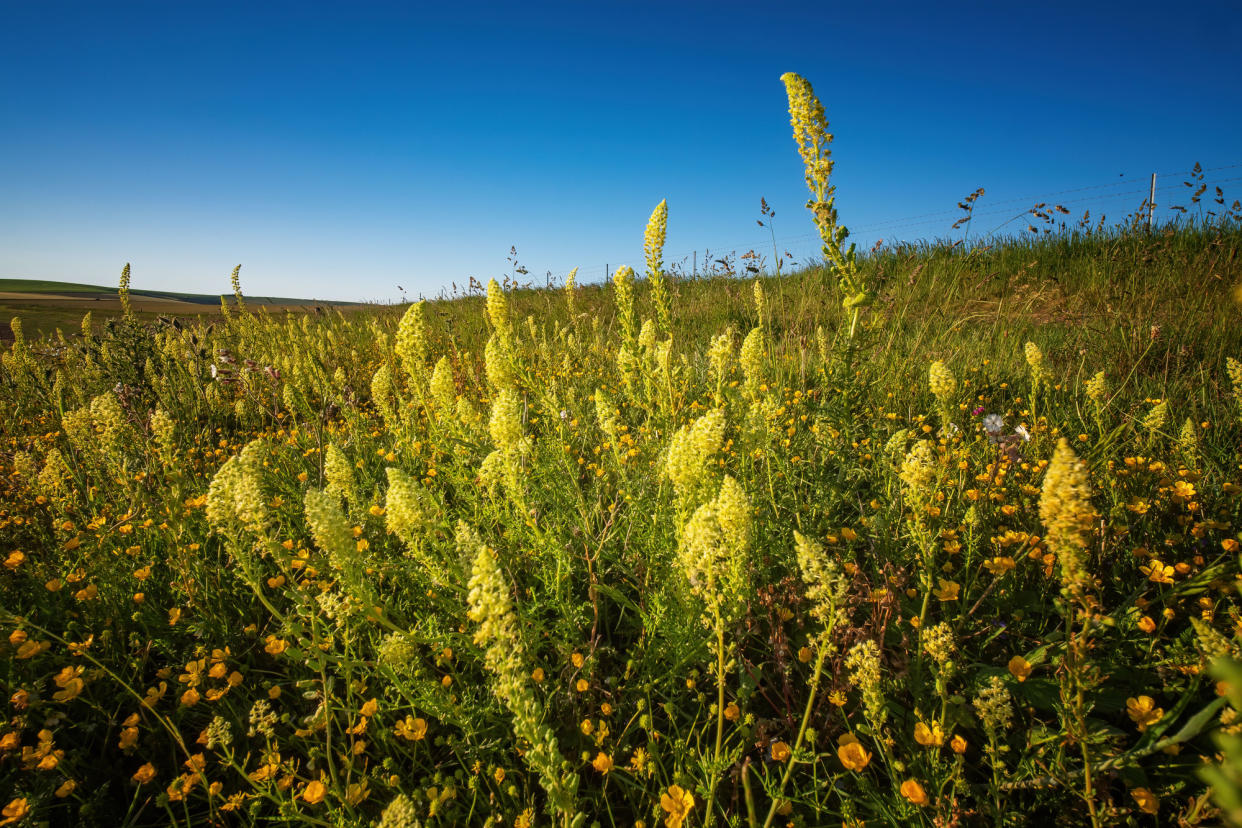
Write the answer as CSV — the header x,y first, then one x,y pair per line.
x,y
340,150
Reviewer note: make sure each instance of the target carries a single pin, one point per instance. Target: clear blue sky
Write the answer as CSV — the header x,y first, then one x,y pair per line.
x,y
339,150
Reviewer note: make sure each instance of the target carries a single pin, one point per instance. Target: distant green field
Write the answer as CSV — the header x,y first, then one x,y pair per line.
x,y
48,305
45,286
75,289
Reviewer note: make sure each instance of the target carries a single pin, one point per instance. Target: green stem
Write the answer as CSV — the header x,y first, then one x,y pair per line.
x,y
750,797
715,771
806,719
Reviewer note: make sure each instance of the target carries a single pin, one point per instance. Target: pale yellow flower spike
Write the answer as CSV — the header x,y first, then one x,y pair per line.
x,y
123,293
653,247
941,381
810,132
570,284
623,281
499,633
412,342
1067,514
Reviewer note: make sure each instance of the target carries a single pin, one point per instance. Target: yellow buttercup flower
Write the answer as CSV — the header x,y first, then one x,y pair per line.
x,y
677,803
314,792
1143,712
851,752
999,565
914,792
1147,801
411,729
929,736
947,591
16,810
1019,667
1157,572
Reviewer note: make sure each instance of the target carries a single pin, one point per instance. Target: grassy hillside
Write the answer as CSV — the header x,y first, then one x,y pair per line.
x,y
1161,306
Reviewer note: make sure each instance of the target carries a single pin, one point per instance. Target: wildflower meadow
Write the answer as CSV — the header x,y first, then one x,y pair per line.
x,y
940,535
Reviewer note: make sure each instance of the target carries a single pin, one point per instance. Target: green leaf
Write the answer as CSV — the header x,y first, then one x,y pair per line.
x,y
1194,725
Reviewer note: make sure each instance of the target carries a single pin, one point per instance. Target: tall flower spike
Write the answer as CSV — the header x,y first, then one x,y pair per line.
x,y
941,381
653,247
164,430
235,494
570,282
250,502
720,354
825,587
412,342
810,132
340,475
1067,514
19,338
123,293
606,415
409,510
994,707
498,309
443,388
1035,361
761,304
1097,387
1188,442
56,476
918,472
504,654
505,426
1157,417
236,280
1234,369
332,534
623,281
381,395
733,512
692,447
400,813
496,364
751,359
714,552
863,662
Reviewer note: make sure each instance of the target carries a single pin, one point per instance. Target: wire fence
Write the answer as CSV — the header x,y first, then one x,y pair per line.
x,y
1116,200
